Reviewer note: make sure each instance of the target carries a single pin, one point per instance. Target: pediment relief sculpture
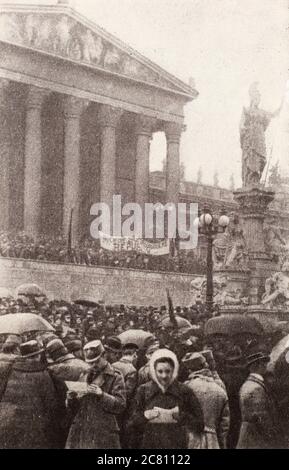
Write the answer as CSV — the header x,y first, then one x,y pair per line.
x,y
64,36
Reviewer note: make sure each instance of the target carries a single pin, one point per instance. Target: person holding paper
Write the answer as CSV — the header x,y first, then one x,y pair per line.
x,y
95,425
164,409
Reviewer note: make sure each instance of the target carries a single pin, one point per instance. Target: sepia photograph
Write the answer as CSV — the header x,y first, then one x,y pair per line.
x,y
144,226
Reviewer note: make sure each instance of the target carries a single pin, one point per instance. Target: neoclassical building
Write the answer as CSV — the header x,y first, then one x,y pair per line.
x,y
78,110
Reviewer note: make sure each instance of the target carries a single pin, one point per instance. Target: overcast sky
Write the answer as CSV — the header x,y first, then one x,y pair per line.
x,y
224,45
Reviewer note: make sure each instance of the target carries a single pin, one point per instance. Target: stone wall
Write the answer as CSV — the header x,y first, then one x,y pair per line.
x,y
69,282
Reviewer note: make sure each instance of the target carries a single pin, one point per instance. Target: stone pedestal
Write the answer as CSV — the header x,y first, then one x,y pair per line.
x,y
253,207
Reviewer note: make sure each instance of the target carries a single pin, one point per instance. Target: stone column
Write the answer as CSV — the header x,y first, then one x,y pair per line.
x,y
73,108
173,135
143,131
253,208
32,174
4,155
109,119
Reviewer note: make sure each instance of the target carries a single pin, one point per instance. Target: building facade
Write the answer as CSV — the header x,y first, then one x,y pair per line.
x,y
78,111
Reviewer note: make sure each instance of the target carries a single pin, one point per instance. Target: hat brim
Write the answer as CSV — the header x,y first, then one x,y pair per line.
x,y
90,361
35,353
259,359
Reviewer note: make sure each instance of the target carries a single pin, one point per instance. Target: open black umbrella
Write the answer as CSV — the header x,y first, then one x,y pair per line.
x,y
21,323
231,325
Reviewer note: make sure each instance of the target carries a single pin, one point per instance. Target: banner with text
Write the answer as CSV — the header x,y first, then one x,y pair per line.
x,y
158,248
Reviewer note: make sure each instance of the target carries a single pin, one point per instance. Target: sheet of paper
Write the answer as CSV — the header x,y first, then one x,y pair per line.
x,y
77,387
165,415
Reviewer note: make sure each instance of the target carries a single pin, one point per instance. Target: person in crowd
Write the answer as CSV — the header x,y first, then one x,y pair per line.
x,y
113,349
31,405
214,403
144,372
126,365
164,409
62,364
95,410
11,348
260,427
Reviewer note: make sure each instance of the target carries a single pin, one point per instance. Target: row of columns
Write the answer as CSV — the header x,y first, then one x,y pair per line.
x,y
109,118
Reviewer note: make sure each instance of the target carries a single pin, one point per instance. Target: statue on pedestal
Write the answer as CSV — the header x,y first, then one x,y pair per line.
x,y
253,125
276,291
236,252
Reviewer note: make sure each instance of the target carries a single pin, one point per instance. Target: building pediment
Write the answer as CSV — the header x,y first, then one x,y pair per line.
x,y
61,31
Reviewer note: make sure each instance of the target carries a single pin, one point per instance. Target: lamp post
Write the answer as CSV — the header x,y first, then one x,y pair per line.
x,y
210,225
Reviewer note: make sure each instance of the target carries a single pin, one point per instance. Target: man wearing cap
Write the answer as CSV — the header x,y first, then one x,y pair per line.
x,y
62,364
31,404
144,372
113,349
96,409
259,428
214,403
126,366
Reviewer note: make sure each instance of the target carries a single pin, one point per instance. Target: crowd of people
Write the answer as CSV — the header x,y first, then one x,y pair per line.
x,y
125,377
90,253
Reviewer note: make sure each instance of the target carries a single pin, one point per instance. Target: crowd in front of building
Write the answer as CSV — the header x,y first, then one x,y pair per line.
x,y
125,377
90,253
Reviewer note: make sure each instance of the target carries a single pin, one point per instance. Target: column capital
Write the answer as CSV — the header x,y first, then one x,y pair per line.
x,y
73,107
173,131
144,125
35,97
109,116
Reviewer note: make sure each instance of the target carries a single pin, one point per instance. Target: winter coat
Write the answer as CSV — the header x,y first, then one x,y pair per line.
x,y
144,374
259,427
95,425
165,435
31,406
68,368
129,374
214,403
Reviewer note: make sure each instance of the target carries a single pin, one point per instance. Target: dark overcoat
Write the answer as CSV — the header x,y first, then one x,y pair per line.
x,y
164,435
95,425
259,428
30,406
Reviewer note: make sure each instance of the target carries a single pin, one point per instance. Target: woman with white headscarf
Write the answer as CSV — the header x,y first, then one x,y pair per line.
x,y
164,409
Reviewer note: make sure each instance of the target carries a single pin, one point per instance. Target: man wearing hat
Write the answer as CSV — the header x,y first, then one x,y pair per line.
x,y
144,372
214,403
126,366
31,403
62,364
95,423
260,427
113,349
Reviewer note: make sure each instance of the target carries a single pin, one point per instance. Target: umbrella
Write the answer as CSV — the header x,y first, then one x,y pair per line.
x,y
20,323
30,290
5,293
137,337
86,303
279,349
233,325
181,322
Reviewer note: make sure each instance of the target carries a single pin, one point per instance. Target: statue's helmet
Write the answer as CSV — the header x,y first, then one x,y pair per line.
x,y
254,92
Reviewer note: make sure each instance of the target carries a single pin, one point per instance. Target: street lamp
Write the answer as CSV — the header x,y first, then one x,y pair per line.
x,y
210,225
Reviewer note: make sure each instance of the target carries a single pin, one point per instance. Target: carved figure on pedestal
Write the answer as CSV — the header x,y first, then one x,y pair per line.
x,y
254,122
276,291
274,242
219,249
236,252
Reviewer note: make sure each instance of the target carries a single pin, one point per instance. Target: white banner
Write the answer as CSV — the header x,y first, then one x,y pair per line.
x,y
139,245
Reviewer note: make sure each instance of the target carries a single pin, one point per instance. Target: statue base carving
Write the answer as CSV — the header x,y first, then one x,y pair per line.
x,y
253,208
